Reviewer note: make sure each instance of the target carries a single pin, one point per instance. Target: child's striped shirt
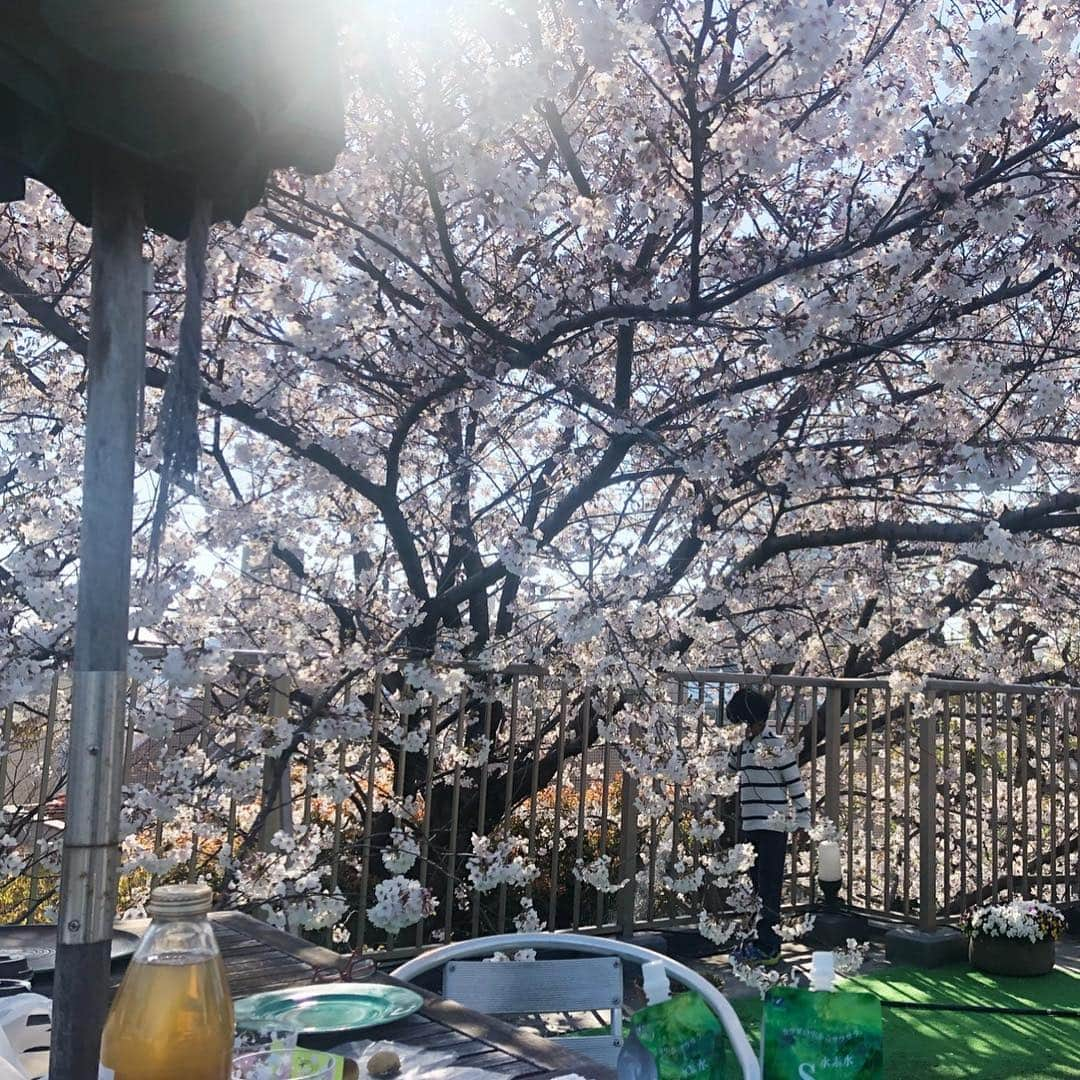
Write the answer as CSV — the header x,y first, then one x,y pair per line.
x,y
769,781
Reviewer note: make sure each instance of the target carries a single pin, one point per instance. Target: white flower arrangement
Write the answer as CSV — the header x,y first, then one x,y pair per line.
x,y
1019,919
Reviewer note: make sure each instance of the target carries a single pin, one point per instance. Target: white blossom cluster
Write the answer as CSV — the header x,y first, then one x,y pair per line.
x,y
824,829
794,929
719,932
849,958
496,862
527,921
401,902
758,978
519,955
597,874
735,860
402,853
683,877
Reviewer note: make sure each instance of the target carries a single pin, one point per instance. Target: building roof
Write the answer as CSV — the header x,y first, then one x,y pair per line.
x,y
197,97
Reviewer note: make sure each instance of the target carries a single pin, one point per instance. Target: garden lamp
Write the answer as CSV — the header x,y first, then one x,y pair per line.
x,y
829,873
835,922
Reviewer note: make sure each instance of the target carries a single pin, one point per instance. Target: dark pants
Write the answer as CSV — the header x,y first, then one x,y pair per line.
x,y
767,875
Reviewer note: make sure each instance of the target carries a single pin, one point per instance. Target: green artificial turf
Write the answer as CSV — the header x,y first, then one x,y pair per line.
x,y
951,1045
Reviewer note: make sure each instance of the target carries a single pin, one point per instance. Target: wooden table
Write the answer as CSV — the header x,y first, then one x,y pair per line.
x,y
259,957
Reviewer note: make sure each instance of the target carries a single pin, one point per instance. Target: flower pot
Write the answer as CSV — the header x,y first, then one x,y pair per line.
x,y
1012,956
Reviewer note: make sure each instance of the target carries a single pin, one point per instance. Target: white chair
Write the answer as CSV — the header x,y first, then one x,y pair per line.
x,y
591,984
516,987
25,1031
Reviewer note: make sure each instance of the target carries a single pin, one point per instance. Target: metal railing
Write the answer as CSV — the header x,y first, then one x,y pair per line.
x,y
963,792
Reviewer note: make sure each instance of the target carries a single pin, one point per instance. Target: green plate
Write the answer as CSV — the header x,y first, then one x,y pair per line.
x,y
331,1007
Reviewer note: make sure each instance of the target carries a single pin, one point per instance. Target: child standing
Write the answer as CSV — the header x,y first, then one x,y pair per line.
x,y
769,784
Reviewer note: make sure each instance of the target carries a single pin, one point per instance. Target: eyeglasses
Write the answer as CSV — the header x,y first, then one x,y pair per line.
x,y
356,969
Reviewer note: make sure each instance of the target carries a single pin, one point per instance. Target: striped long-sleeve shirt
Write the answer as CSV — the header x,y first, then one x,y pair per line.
x,y
769,783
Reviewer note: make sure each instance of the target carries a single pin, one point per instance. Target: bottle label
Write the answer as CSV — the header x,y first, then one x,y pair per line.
x,y
105,1073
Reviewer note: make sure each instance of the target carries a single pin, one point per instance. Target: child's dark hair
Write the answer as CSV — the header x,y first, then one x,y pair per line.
x,y
748,707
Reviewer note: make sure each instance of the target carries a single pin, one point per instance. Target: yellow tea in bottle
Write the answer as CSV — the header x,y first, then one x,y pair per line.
x,y
173,1017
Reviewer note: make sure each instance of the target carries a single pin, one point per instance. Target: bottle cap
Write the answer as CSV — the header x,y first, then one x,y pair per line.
x,y
655,982
174,901
822,970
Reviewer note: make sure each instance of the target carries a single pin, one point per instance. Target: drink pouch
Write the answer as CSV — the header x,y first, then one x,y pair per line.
x,y
301,1062
833,1035
683,1036
344,1069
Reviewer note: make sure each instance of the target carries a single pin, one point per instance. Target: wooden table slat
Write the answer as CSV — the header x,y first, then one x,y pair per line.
x,y
516,1070
439,1038
486,1059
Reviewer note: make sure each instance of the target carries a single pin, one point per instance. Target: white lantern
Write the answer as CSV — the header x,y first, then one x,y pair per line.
x,y
829,861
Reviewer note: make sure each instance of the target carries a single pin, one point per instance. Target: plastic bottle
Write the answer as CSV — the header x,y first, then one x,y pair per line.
x,y
822,971
173,1017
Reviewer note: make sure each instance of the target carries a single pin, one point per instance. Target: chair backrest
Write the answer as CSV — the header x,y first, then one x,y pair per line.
x,y
536,986
588,984
592,946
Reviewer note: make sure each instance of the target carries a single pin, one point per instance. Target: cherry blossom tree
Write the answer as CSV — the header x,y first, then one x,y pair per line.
x,y
626,335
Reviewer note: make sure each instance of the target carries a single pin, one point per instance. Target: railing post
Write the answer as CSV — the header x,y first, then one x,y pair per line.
x,y
43,794
833,713
628,856
927,817
276,792
5,754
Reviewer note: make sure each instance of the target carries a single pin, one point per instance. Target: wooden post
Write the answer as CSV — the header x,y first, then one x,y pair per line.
x,y
928,816
276,796
115,374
